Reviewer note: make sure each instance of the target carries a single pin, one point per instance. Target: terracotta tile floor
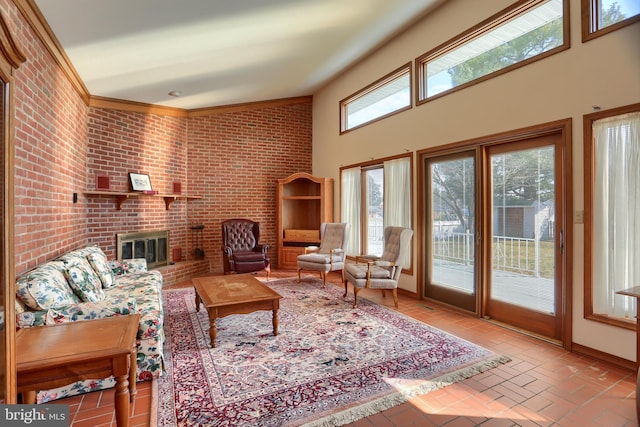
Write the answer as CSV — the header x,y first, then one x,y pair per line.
x,y
543,385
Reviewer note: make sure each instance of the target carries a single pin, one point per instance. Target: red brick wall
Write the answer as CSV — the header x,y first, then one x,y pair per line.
x,y
234,160
120,142
50,153
231,159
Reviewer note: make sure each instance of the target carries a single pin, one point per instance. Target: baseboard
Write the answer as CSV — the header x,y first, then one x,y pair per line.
x,y
601,355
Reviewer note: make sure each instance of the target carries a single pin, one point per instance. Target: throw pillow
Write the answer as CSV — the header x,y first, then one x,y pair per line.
x,y
45,287
98,261
83,280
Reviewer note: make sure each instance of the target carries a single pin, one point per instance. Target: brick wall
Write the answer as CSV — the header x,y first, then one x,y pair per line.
x,y
120,142
232,159
50,152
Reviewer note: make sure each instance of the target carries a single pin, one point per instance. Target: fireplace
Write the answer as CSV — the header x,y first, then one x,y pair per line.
x,y
151,245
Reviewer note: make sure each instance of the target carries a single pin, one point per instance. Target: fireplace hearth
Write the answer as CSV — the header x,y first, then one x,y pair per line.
x,y
151,245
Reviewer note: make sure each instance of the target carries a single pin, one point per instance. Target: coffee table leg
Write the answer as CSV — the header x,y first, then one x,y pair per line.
x,y
197,301
122,401
212,330
275,322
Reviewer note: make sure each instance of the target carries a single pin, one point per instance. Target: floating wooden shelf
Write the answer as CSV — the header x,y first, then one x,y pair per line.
x,y
121,197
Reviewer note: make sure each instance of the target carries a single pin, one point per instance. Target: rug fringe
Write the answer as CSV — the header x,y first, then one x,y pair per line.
x,y
382,404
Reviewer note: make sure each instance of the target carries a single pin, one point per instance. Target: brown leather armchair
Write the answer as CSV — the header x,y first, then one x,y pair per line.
x,y
242,251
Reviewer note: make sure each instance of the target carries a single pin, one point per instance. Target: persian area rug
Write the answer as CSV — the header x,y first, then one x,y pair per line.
x,y
329,365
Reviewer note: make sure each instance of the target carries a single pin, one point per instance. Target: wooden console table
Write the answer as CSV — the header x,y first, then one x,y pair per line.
x,y
635,292
56,355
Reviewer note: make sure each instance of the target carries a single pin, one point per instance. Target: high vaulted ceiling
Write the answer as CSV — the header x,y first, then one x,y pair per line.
x,y
220,52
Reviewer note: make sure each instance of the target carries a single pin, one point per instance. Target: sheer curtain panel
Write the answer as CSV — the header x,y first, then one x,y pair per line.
x,y
616,214
351,207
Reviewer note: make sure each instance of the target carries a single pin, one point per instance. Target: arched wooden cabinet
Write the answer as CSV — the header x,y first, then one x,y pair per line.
x,y
10,58
304,202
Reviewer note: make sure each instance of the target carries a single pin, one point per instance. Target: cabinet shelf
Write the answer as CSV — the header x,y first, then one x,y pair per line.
x,y
121,197
301,198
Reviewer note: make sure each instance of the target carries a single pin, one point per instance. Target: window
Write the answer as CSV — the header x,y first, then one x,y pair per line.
x,y
612,231
528,31
375,195
389,95
600,17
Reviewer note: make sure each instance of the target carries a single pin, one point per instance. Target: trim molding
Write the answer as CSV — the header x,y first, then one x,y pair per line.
x,y
601,355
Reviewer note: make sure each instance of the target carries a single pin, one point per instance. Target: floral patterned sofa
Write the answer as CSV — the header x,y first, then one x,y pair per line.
x,y
83,285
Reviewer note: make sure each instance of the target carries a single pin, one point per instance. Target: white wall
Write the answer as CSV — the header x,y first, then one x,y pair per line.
x,y
603,72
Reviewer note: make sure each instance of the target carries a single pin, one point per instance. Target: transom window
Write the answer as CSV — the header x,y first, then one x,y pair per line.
x,y
389,95
526,31
603,16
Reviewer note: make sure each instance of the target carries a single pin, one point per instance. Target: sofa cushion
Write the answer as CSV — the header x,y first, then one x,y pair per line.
x,y
83,279
45,287
98,261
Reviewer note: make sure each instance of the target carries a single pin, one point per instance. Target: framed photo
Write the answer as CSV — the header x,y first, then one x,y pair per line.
x,y
140,182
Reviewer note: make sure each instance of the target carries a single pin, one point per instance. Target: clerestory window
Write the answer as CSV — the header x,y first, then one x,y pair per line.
x,y
523,33
600,17
387,96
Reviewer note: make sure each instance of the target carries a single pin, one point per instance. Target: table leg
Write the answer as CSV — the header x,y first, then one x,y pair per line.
x,y
122,401
638,396
29,397
638,361
197,301
212,330
133,370
275,322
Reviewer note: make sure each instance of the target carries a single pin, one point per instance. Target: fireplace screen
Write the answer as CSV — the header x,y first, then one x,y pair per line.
x,y
152,245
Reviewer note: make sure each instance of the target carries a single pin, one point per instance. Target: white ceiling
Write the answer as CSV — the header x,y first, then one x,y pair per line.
x,y
220,52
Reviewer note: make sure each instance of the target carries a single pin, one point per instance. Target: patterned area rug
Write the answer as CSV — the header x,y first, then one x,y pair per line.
x,y
329,365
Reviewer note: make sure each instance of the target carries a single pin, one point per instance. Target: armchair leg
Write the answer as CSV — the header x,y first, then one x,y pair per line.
x,y
355,297
395,297
346,288
299,279
323,274
268,271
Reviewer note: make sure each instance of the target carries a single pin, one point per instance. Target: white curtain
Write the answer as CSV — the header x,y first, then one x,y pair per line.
x,y
350,207
397,196
616,214
397,192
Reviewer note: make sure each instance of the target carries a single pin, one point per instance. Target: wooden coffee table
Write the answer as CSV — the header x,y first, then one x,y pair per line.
x,y
234,294
56,355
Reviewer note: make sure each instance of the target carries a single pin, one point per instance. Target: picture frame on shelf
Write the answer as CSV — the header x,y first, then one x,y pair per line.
x,y
140,182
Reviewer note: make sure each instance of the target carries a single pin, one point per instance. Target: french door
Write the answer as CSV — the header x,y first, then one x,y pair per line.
x,y
451,235
494,231
524,235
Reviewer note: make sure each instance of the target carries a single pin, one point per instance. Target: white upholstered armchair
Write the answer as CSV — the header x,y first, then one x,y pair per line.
x,y
380,272
330,255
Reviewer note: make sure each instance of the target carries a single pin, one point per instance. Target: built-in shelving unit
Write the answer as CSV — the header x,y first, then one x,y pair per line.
x,y
304,202
121,197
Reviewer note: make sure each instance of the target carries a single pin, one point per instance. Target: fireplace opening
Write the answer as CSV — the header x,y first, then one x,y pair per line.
x,y
150,245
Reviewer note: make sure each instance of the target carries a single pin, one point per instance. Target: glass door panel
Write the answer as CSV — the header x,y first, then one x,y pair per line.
x,y
523,217
523,212
451,229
